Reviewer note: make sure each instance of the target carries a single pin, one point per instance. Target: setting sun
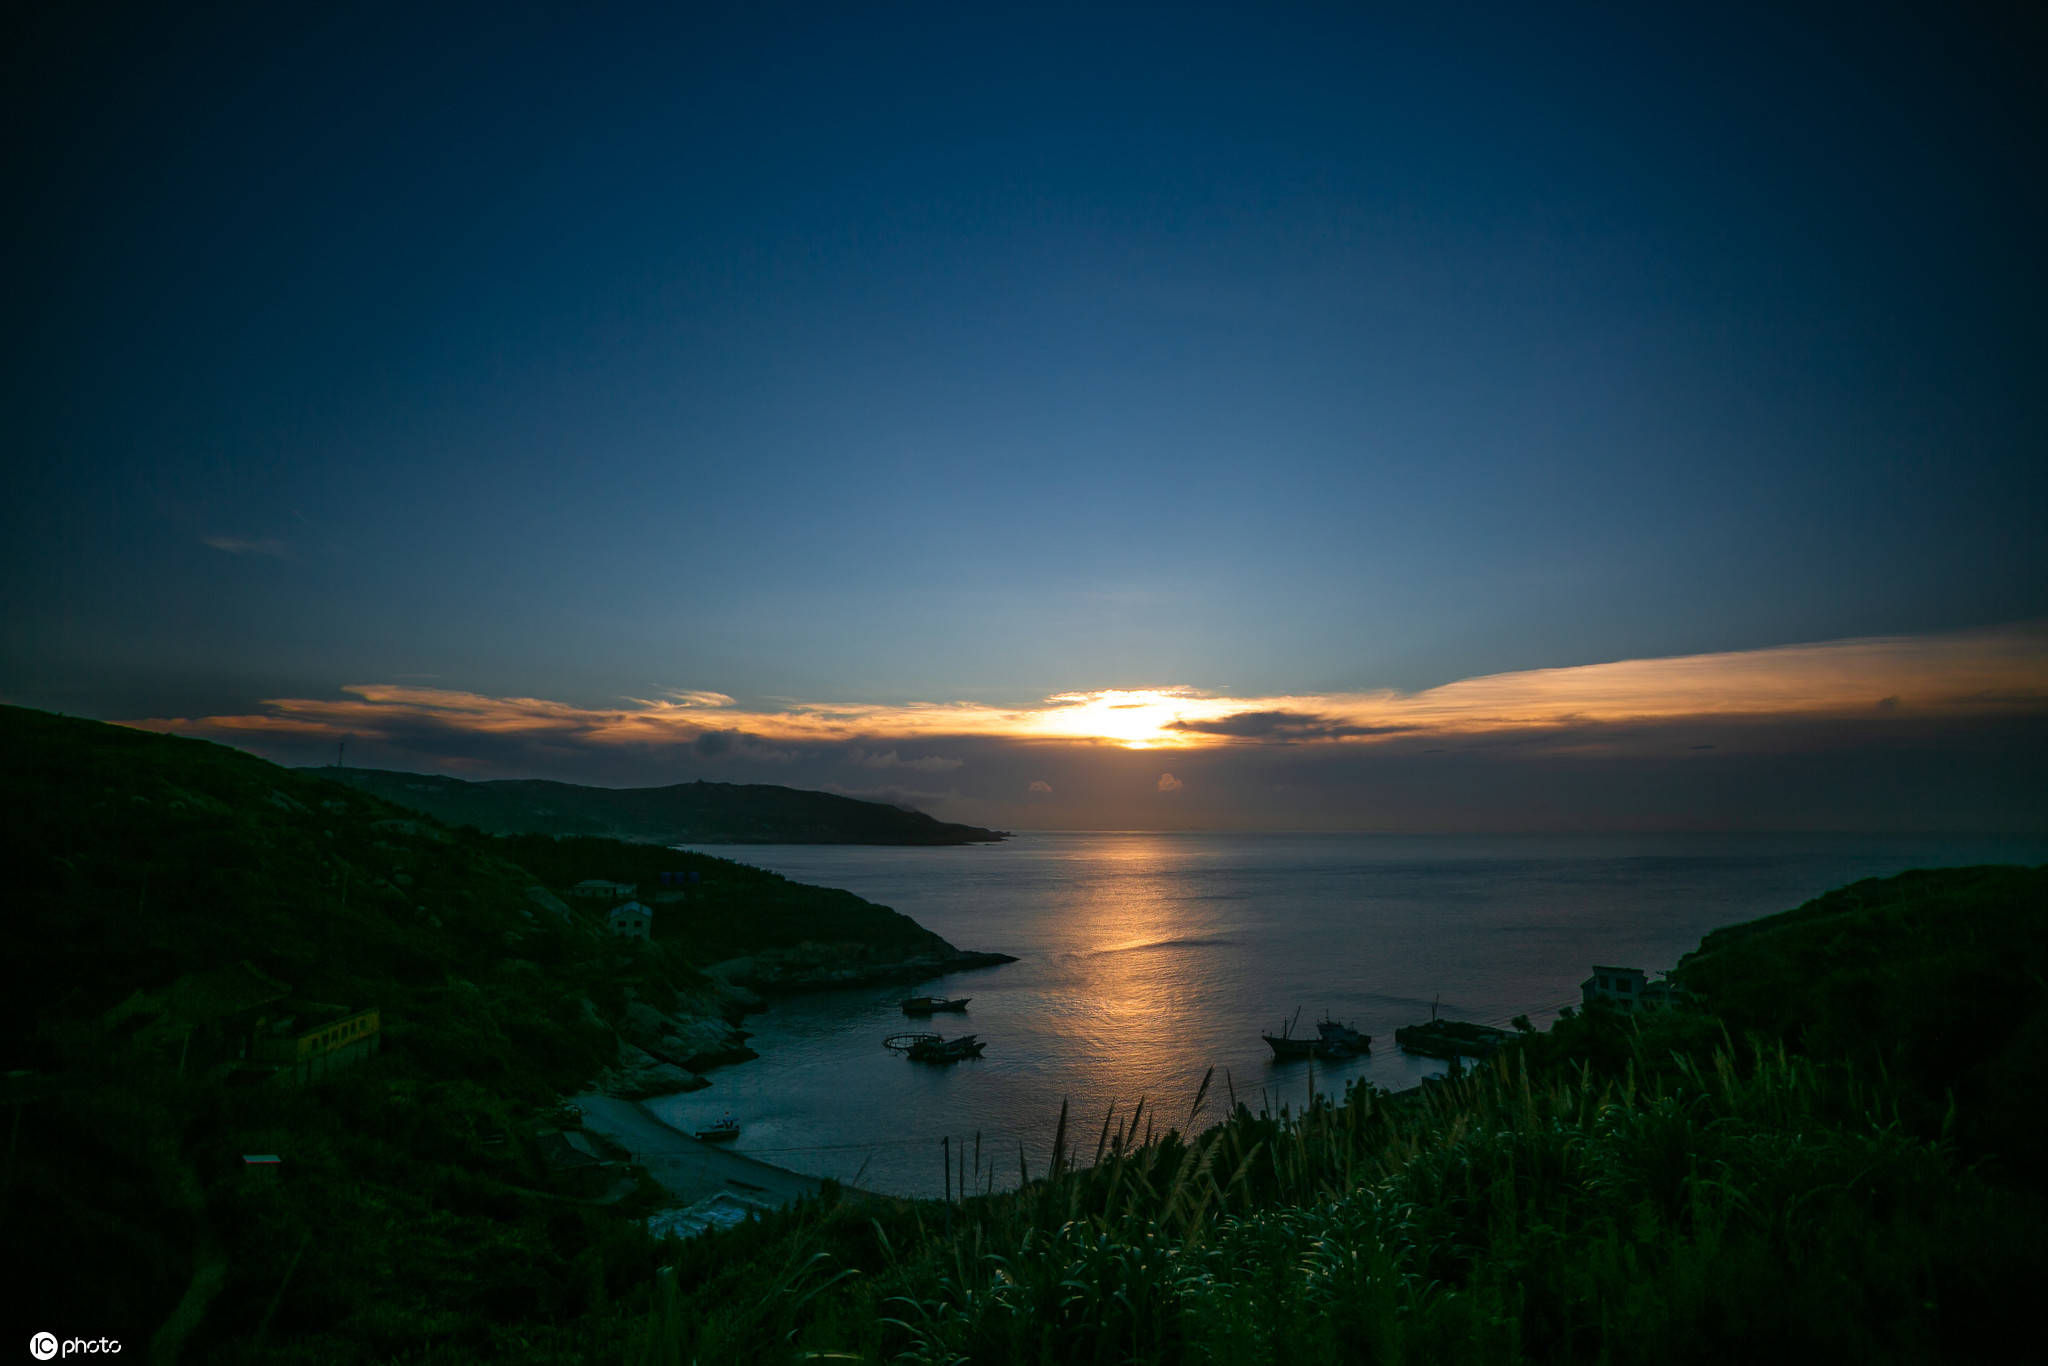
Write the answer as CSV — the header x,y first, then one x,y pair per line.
x,y
1134,718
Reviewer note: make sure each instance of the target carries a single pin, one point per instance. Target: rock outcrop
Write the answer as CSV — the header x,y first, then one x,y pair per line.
x,y
812,966
662,1051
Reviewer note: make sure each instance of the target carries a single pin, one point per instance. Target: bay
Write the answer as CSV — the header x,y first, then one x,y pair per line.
x,y
1146,958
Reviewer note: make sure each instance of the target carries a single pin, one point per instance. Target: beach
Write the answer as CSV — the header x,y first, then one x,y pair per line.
x,y
691,1171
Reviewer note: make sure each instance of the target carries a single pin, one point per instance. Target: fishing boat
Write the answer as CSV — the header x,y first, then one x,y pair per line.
x,y
1331,1040
1287,1048
935,1047
1341,1040
926,1005
948,1050
1451,1039
725,1131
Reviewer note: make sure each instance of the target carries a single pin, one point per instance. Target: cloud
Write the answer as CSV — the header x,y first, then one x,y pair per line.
x,y
246,545
930,763
1588,709
1040,785
737,744
1281,727
689,698
1169,783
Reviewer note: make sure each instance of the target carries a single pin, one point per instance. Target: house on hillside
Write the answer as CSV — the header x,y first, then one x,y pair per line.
x,y
316,1040
597,889
632,920
1628,989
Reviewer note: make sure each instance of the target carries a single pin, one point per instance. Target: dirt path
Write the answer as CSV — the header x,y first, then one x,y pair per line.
x,y
690,1170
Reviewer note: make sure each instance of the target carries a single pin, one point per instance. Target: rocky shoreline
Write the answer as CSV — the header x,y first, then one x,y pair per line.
x,y
665,1047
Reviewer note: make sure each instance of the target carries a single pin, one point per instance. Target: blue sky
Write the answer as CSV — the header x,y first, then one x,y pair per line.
x,y
950,354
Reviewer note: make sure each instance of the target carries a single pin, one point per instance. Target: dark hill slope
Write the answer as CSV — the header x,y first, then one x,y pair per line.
x,y
135,858
161,890
1937,978
686,813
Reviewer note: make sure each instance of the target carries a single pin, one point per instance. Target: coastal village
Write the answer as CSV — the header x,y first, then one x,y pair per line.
x,y
248,1026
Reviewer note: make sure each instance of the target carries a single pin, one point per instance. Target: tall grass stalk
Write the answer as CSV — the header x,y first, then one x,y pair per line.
x,y
1670,1212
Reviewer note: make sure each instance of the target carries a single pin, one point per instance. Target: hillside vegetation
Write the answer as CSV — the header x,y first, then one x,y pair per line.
x,y
154,882
1935,978
685,813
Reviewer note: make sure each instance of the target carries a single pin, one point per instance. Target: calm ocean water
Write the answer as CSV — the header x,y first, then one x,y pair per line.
x,y
1146,958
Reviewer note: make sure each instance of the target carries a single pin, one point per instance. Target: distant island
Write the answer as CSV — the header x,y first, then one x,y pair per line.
x,y
684,813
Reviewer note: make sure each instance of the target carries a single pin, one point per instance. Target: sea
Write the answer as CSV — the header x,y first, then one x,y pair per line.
x,y
1144,960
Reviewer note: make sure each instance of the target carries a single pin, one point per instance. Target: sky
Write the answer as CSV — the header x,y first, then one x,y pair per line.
x,y
1209,417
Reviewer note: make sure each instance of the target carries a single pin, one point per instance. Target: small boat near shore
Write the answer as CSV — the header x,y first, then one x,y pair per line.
x,y
927,1005
725,1131
935,1047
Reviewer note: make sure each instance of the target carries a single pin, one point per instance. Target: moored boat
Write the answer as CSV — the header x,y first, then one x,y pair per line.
x,y
1332,1040
1341,1040
1451,1039
1287,1047
946,1050
725,1131
926,1005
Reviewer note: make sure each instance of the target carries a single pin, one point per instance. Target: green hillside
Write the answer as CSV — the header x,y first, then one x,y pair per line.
x,y
164,892
1937,979
686,813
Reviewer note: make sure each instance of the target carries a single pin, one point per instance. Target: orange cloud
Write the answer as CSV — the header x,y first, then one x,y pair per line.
x,y
1977,673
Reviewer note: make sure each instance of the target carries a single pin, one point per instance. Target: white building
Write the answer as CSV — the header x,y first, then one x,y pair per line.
x,y
1628,988
632,920
597,889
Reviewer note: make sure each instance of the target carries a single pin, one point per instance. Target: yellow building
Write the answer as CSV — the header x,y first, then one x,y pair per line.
x,y
307,1050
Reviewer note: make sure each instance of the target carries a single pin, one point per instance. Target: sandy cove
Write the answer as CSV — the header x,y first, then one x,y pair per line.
x,y
689,1170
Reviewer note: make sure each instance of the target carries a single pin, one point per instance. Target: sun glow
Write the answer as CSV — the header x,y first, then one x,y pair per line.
x,y
1138,718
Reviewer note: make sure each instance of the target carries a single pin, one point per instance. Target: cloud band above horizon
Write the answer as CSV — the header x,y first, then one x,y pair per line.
x,y
1896,733
1981,673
